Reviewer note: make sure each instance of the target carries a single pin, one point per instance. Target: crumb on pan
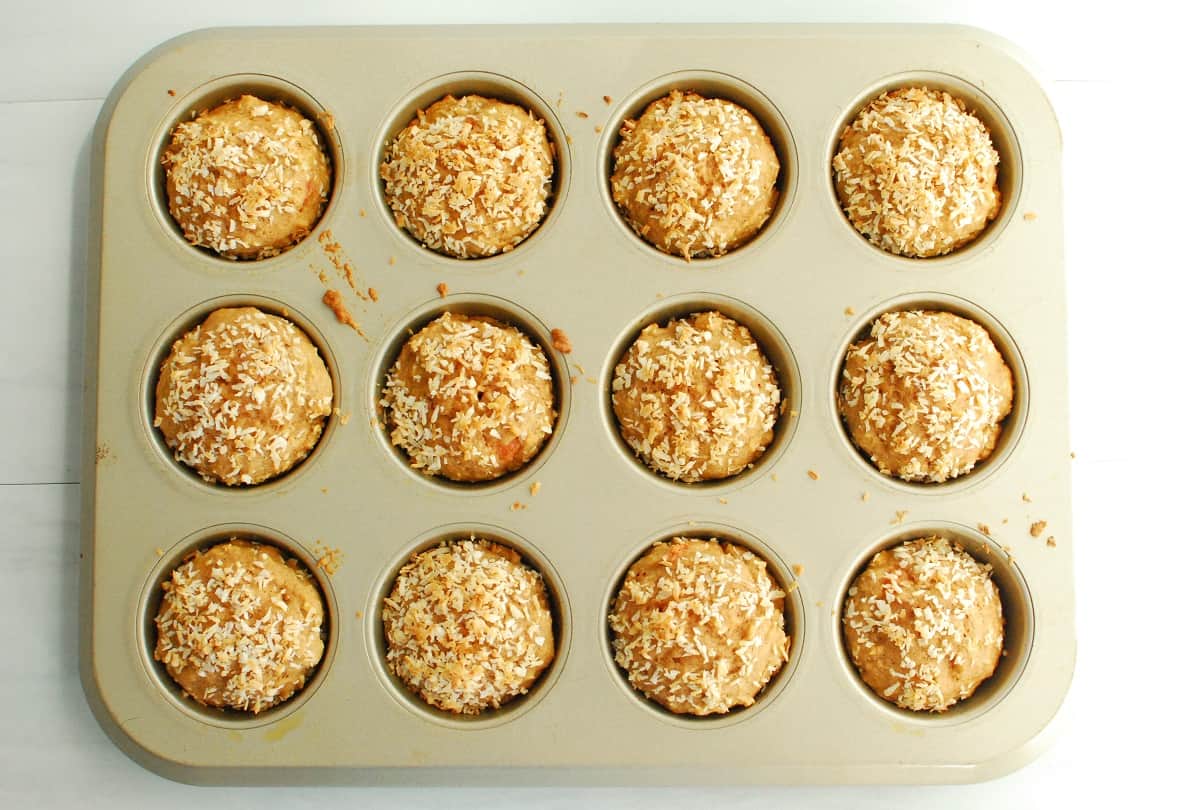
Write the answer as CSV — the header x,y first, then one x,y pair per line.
x,y
535,488
333,299
560,341
1036,528
1030,216
607,99
443,289
984,529
814,475
901,514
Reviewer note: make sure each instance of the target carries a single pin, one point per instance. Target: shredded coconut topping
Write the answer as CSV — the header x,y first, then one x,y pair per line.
x,y
698,626
924,396
696,399
239,627
468,626
469,398
470,176
916,173
695,176
242,397
924,624
247,179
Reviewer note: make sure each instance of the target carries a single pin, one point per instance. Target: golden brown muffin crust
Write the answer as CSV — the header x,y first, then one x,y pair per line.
x,y
915,173
468,626
696,399
698,626
695,176
243,397
924,625
470,176
239,626
925,395
248,179
469,398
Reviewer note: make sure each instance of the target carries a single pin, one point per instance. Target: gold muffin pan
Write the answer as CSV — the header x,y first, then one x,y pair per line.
x,y
814,508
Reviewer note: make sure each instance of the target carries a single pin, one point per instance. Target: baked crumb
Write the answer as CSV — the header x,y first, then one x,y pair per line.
x,y
581,114
592,380
797,569
866,496
723,501
596,129
560,341
329,559
1050,542
1072,455
362,212
341,265
569,140
984,529
170,92
160,552
1030,216
848,311
1036,529
535,488
517,506
574,378
391,260
442,289
324,490
1025,497
333,299
814,475
373,293
901,514
607,99
358,614
774,476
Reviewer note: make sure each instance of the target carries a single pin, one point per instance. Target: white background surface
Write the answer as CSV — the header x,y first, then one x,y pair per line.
x,y
1123,89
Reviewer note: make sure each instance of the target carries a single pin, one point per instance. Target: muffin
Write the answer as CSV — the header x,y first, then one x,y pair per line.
x,y
470,176
469,398
243,397
240,627
698,626
694,176
248,179
696,399
925,394
924,625
468,626
915,173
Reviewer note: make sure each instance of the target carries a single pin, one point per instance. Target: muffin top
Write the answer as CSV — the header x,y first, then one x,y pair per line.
x,y
248,179
469,398
915,173
698,626
470,176
925,394
695,176
924,624
696,399
239,627
243,397
468,626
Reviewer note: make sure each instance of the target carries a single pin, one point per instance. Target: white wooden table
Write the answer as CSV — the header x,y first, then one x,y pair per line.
x,y
1122,87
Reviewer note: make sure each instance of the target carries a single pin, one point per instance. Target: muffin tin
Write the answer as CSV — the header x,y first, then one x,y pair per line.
x,y
816,510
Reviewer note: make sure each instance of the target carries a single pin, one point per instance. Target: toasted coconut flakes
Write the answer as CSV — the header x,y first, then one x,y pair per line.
x,y
694,176
239,628
698,626
696,399
924,624
916,173
469,398
468,626
925,395
470,177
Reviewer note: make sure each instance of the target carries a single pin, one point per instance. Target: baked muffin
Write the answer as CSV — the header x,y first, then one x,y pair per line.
x,y
694,176
915,173
925,395
468,626
243,397
240,627
696,399
470,176
248,179
469,398
924,625
698,626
